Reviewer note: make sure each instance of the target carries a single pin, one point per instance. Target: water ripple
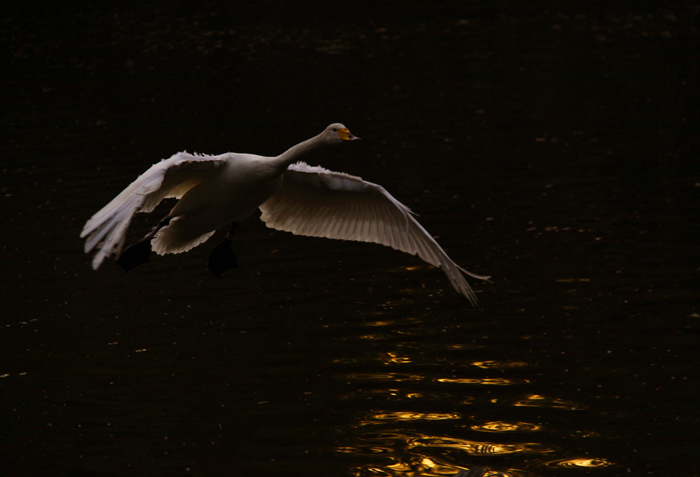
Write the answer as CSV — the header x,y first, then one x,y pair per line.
x,y
485,381
537,400
499,364
501,426
412,416
585,462
479,448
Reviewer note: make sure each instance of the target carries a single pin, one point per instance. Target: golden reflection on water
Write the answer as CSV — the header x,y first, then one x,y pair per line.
x,y
397,447
501,426
462,346
413,416
390,376
407,455
422,467
579,462
418,442
375,337
486,381
399,377
536,400
499,364
394,394
479,448
363,450
394,358
418,466
380,323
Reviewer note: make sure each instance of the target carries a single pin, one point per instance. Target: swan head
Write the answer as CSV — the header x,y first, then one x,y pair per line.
x,y
337,133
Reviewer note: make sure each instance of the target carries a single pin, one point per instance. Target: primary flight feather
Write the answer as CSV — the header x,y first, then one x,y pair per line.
x,y
214,191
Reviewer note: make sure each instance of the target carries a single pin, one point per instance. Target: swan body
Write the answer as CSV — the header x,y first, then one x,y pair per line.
x,y
214,191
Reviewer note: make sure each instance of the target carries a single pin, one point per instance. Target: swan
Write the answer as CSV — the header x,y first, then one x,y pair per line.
x,y
214,191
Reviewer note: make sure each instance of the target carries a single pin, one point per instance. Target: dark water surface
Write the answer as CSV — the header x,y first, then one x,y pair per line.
x,y
552,147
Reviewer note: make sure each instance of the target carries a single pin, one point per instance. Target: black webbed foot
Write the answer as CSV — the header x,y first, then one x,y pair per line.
x,y
222,259
135,254
139,251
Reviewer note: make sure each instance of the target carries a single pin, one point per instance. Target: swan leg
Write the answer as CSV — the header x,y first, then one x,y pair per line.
x,y
222,259
139,251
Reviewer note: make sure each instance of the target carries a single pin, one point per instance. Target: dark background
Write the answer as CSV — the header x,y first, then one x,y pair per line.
x,y
554,147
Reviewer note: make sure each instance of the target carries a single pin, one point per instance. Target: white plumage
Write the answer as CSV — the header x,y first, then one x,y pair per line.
x,y
293,196
172,177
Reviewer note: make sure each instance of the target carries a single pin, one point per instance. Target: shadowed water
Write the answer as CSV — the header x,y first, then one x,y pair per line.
x,y
552,147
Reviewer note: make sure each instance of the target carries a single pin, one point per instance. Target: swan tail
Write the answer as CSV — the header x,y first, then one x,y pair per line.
x,y
175,238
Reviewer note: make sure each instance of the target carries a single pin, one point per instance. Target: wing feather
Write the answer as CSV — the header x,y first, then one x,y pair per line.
x,y
173,177
316,202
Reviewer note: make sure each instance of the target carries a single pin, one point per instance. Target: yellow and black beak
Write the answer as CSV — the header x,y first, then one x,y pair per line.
x,y
346,135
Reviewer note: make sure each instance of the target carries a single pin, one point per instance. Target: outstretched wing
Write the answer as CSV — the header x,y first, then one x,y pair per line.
x,y
106,230
316,202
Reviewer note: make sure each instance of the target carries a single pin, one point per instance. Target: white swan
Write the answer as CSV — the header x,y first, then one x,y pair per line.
x,y
218,190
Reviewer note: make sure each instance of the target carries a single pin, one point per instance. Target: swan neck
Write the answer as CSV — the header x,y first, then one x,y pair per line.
x,y
295,153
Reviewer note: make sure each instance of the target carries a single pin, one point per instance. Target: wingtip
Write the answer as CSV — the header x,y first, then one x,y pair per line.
x,y
97,261
471,296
